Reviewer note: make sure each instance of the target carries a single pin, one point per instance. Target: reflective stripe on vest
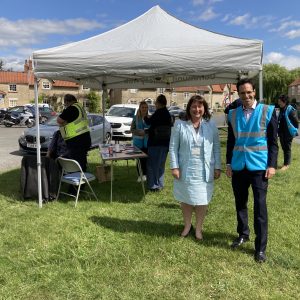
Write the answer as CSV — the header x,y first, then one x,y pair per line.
x,y
250,150
78,126
292,130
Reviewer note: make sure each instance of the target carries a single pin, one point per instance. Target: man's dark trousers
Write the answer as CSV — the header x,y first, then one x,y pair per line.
x,y
241,181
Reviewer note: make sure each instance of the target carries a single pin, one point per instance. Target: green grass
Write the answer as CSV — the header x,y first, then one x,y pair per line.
x,y
130,249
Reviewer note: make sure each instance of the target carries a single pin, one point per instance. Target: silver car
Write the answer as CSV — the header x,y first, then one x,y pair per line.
x,y
27,141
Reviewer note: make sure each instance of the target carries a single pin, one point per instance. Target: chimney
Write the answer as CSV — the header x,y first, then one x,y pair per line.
x,y
30,64
26,67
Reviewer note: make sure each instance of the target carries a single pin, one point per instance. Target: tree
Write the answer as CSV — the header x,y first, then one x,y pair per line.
x,y
94,102
1,65
275,81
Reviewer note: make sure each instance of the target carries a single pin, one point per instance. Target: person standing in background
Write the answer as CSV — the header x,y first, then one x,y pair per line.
x,y
287,129
139,131
158,144
251,159
75,130
195,159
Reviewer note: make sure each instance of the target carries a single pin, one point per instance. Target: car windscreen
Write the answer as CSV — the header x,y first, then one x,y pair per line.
x,y
121,112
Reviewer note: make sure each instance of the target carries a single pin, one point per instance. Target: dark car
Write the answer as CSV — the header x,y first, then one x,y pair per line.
x,y
2,114
45,112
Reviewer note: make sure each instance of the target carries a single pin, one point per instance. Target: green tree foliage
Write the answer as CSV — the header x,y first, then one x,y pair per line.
x,y
275,81
94,102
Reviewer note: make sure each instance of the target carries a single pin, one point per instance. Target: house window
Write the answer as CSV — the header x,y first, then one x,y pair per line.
x,y
12,88
12,102
161,90
293,90
298,90
46,85
186,95
133,91
184,105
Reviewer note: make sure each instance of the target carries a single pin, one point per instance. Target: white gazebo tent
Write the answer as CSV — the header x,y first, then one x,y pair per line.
x,y
153,50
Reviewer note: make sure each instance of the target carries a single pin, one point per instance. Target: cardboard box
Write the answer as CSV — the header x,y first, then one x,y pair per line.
x,y
103,173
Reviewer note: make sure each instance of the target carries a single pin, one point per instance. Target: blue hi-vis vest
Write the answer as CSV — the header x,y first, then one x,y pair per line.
x,y
292,130
140,141
251,148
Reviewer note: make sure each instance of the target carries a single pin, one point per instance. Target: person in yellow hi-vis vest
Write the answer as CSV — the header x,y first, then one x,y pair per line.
x,y
75,130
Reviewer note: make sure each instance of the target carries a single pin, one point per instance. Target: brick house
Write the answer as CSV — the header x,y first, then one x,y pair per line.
x,y
17,88
294,90
215,95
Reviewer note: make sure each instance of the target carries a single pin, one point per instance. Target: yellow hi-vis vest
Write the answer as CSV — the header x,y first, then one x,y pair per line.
x,y
78,126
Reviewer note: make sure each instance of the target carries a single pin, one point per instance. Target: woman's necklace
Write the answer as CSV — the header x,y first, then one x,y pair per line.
x,y
196,125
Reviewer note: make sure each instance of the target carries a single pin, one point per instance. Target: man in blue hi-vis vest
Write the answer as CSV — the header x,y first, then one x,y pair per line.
x,y
251,159
287,129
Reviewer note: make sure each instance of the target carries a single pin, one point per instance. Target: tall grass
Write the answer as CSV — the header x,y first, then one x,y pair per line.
x,y
130,249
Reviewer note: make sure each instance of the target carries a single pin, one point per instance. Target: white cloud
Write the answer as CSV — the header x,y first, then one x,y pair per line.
x,y
202,2
208,14
13,62
288,61
292,34
28,32
288,28
240,20
198,2
249,21
296,48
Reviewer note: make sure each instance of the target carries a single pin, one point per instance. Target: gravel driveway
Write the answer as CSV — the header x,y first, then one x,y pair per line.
x,y
10,157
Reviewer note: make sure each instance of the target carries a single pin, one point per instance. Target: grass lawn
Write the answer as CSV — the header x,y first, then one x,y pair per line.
x,y
130,249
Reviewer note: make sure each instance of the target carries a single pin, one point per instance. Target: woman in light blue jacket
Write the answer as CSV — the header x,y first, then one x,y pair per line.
x,y
195,158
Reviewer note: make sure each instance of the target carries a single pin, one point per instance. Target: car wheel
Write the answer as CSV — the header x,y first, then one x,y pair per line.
x,y
107,138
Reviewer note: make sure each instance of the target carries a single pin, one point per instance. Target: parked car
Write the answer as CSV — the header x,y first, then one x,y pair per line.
x,y
120,117
151,109
2,114
175,111
45,112
27,141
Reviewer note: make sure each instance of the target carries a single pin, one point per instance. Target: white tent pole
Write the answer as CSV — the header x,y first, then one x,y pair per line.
x,y
38,144
261,92
104,98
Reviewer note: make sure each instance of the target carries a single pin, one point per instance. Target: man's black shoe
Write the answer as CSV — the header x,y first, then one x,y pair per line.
x,y
260,257
239,241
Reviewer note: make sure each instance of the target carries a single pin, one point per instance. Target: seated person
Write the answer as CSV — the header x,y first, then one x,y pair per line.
x,y
57,146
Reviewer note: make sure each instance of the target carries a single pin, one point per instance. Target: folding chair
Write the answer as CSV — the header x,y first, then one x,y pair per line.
x,y
73,175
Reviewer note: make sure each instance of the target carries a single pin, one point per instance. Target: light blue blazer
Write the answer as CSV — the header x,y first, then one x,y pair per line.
x,y
181,147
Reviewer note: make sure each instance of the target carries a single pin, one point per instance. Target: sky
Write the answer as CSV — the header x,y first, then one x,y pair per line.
x,y
29,25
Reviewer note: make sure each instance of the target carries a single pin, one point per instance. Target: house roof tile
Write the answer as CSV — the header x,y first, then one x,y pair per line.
x,y
295,82
8,77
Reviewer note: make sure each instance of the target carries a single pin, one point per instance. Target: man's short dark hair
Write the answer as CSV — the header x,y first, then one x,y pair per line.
x,y
284,98
162,100
244,81
69,98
